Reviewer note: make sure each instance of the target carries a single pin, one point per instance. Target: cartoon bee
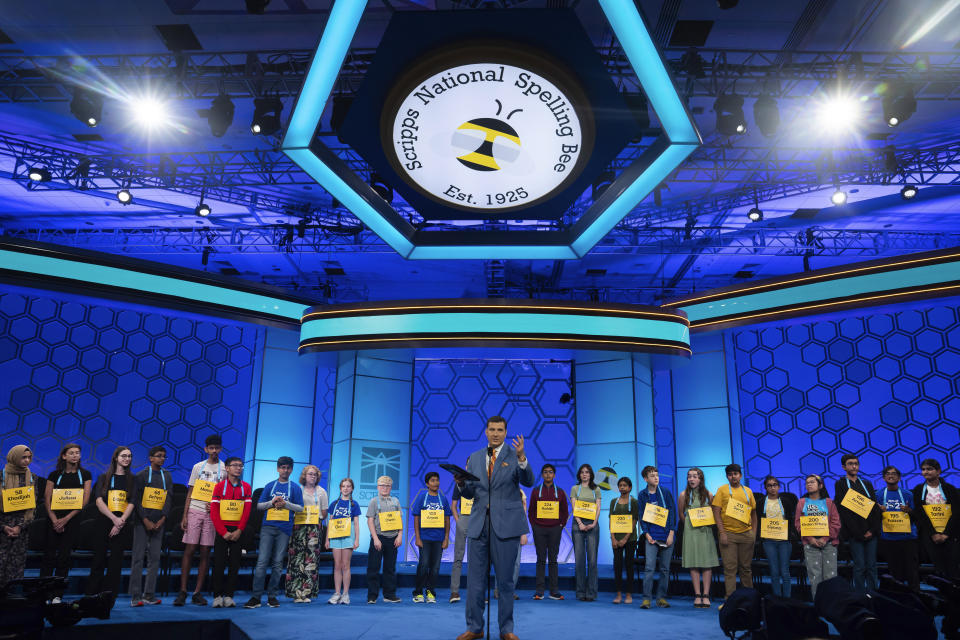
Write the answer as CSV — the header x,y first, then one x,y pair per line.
x,y
500,142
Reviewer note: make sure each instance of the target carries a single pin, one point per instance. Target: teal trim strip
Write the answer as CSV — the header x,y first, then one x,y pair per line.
x,y
503,323
874,283
493,252
138,282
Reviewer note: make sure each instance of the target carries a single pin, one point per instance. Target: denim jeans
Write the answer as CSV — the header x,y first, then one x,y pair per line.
x,y
272,551
778,555
585,555
428,567
388,556
658,559
864,554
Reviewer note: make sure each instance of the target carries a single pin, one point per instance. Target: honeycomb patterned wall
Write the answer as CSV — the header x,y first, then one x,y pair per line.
x,y
452,400
323,420
663,434
883,386
105,374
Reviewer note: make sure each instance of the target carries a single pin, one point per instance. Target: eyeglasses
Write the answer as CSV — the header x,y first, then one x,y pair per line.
x,y
773,484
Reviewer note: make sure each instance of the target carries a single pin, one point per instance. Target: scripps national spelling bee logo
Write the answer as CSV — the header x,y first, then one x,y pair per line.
x,y
486,136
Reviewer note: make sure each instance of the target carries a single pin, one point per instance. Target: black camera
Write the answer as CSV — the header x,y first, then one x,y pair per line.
x,y
25,605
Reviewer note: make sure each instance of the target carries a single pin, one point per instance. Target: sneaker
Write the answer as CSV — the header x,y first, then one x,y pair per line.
x,y
345,598
306,600
516,597
662,603
56,600
556,596
418,598
431,598
181,599
152,600
334,599
371,600
217,602
273,602
252,603
136,603
393,599
228,602
645,604
538,596
198,600
454,597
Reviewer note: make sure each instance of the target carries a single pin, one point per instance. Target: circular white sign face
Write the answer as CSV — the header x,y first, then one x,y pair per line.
x,y
486,136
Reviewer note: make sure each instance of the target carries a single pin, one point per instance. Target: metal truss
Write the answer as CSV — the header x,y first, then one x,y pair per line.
x,y
248,74
270,240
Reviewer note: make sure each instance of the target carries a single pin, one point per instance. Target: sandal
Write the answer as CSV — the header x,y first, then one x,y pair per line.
x,y
696,601
706,603
628,599
617,600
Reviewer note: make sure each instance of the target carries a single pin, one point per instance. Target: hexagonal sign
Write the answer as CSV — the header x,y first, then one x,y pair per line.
x,y
485,139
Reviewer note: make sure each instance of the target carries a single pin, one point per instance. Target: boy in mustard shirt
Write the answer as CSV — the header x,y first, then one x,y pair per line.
x,y
737,526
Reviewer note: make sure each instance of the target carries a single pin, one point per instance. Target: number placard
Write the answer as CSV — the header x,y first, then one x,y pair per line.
x,y
231,510
738,510
584,509
939,515
278,515
309,515
19,499
431,519
814,526
153,498
66,499
621,523
858,503
466,506
773,528
116,500
655,515
896,522
339,528
701,517
550,510
390,521
203,490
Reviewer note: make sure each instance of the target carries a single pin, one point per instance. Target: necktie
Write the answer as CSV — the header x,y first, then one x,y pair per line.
x,y
493,459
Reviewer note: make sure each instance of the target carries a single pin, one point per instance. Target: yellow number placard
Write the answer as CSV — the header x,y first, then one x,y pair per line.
x,y
466,506
117,500
278,515
701,517
19,499
390,521
339,528
550,510
773,528
814,527
584,509
231,510
203,490
939,515
655,515
431,519
621,523
858,503
896,522
153,498
738,511
66,499
309,515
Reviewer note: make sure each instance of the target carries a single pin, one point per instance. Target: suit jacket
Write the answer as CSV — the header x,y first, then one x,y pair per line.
x,y
924,527
508,518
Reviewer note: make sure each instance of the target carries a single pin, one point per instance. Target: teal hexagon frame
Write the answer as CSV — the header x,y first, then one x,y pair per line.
x,y
679,138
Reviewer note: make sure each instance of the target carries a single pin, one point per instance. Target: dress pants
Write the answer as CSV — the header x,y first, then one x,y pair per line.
x,y
503,555
105,545
149,544
226,556
459,547
547,542
737,557
388,556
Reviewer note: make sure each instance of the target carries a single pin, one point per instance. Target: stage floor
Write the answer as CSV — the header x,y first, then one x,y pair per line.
x,y
535,620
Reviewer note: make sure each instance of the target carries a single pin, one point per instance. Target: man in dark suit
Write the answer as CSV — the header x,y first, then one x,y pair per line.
x,y
501,471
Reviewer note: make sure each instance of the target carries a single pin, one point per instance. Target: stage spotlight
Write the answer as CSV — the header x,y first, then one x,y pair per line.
x,y
203,210
124,196
838,114
257,7
839,197
899,104
766,115
219,115
909,192
266,116
755,214
730,118
149,112
87,106
39,174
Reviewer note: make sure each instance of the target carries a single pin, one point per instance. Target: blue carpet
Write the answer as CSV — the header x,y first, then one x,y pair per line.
x,y
535,620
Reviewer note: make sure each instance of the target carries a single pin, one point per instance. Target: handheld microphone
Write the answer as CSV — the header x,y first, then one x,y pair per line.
x,y
490,452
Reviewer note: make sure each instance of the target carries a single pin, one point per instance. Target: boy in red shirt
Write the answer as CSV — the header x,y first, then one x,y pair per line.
x,y
229,510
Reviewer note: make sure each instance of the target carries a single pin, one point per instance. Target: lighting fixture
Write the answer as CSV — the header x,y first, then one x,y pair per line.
x,y
899,104
266,116
149,111
755,214
87,106
766,115
838,114
203,210
839,197
730,118
39,174
908,192
379,185
219,115
124,196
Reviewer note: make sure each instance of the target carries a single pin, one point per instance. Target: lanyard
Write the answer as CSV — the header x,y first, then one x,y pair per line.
x,y
923,498
163,479
579,487
746,498
661,501
60,477
554,487
113,481
863,486
336,505
275,486
380,504
767,501
235,487
902,501
426,495
316,497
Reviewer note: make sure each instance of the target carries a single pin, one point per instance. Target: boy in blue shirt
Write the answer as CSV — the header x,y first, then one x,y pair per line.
x,y
278,500
431,525
657,537
899,548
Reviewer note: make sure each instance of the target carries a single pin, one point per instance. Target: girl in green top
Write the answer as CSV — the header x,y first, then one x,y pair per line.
x,y
585,533
624,544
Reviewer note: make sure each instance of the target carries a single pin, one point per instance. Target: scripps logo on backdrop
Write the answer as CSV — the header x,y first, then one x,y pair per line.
x,y
486,136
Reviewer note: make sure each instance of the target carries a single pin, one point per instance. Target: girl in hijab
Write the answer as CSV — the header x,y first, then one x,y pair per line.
x,y
16,512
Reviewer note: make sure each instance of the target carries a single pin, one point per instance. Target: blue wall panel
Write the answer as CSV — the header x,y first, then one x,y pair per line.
x,y
105,374
605,411
380,404
284,431
702,436
284,381
701,382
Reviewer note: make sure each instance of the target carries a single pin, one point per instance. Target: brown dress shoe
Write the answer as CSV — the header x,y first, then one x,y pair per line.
x,y
469,635
509,636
